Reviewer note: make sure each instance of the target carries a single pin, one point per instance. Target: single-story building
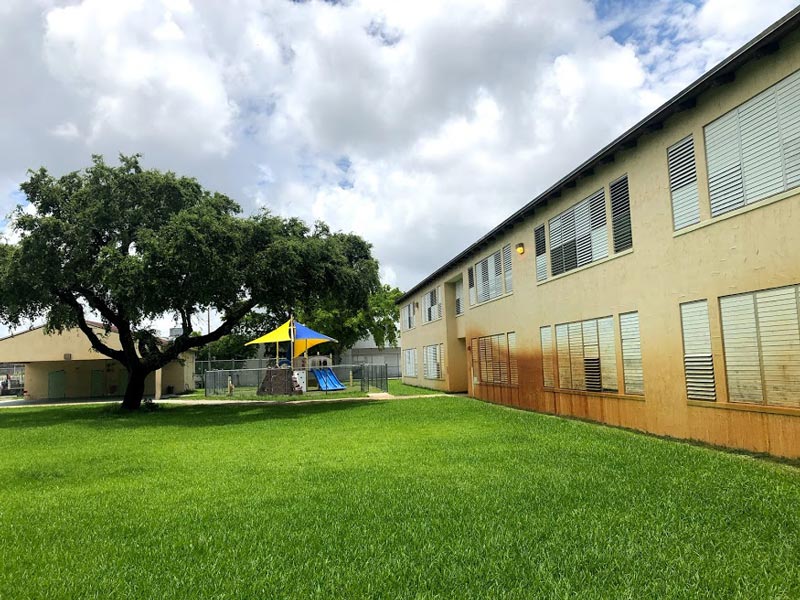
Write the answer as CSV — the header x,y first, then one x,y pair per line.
x,y
66,366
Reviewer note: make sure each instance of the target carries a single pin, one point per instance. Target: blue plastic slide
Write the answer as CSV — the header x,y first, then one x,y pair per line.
x,y
327,380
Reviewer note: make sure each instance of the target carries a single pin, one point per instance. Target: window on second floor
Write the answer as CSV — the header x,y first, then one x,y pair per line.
x,y
407,315
752,151
459,291
432,305
579,236
490,276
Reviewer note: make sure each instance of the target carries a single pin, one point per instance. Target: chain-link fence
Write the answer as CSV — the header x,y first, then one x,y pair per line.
x,y
375,376
272,381
12,379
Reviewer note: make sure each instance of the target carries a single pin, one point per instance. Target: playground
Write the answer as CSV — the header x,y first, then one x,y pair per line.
x,y
294,372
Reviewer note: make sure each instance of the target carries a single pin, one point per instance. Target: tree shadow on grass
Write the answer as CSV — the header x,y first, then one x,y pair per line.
x,y
111,416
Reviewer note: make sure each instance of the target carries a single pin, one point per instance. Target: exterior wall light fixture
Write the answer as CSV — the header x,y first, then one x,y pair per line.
x,y
520,248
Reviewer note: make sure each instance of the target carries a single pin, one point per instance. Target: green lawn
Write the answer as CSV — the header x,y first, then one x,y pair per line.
x,y
421,498
396,388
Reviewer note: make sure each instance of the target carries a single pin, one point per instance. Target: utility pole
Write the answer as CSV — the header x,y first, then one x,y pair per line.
x,y
208,330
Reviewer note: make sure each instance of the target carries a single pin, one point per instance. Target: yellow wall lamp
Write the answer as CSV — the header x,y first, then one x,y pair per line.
x,y
520,248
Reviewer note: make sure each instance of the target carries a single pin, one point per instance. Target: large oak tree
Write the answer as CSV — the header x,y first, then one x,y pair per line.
x,y
131,245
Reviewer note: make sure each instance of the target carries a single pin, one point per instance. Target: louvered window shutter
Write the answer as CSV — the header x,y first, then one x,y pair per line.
x,y
683,184
621,214
788,92
569,244
779,339
439,298
562,348
591,356
556,247
546,336
541,258
471,285
476,363
576,356
723,154
631,353
740,339
500,359
513,371
485,358
459,294
608,354
496,288
411,362
583,233
597,204
432,358
482,282
507,264
697,359
762,165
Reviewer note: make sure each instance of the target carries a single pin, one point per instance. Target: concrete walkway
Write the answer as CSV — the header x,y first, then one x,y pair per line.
x,y
16,403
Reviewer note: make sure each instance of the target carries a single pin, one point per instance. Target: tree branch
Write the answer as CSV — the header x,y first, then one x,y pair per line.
x,y
184,342
97,303
87,330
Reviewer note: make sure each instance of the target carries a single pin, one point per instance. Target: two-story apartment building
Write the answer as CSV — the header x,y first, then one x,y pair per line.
x,y
656,286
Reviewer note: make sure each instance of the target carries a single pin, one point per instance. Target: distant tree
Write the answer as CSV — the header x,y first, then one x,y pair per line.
x,y
348,324
132,245
231,347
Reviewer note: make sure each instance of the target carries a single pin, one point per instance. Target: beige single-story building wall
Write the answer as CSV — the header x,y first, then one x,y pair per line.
x,y
80,379
64,365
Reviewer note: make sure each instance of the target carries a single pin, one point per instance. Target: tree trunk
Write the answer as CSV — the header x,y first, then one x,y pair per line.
x,y
135,390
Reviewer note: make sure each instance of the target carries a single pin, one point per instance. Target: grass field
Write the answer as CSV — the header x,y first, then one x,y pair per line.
x,y
417,498
396,388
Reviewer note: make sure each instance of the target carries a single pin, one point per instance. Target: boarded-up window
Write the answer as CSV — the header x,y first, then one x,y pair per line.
x,y
761,335
546,336
496,359
698,362
621,214
587,356
683,184
541,254
432,361
753,151
631,353
432,305
579,236
410,362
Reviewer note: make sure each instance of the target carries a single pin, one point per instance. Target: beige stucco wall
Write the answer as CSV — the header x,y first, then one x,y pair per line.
x,y
78,377
754,248
46,353
36,345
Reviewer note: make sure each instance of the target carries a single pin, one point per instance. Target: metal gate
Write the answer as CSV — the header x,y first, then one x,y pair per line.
x,y
375,376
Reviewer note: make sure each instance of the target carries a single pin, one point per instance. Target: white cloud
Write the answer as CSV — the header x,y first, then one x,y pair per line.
x,y
144,70
67,129
419,125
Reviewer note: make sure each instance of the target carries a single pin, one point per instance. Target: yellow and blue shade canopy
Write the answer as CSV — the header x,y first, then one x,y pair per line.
x,y
302,336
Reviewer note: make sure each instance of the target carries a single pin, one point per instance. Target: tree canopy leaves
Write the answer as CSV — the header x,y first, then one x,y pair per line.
x,y
131,245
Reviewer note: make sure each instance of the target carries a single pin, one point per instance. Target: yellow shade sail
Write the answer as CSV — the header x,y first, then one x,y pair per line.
x,y
281,334
304,338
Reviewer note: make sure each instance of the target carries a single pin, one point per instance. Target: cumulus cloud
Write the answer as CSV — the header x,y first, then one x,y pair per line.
x,y
417,124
